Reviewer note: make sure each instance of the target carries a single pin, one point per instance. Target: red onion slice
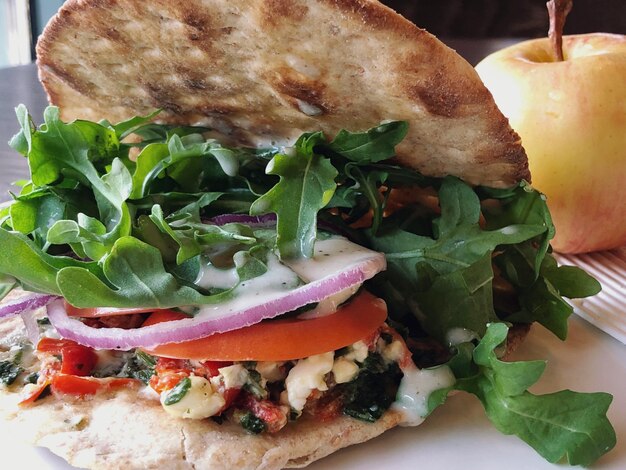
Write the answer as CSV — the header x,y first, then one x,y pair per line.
x,y
32,328
265,220
29,302
252,220
356,266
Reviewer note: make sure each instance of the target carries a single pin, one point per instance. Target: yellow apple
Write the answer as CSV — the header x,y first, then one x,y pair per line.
x,y
571,116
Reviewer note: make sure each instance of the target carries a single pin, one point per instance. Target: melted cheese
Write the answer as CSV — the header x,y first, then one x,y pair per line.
x,y
201,401
307,375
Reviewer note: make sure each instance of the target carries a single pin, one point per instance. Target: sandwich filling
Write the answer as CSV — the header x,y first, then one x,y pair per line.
x,y
262,285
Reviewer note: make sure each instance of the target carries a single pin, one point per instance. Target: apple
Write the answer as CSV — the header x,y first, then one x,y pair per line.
x,y
571,116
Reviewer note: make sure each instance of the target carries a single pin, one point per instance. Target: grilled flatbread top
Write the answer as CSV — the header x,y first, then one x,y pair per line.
x,y
263,71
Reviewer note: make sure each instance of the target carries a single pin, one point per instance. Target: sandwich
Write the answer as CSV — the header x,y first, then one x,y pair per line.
x,y
257,232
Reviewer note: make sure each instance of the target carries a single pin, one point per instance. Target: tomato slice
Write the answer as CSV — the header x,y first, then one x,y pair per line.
x,y
55,346
33,394
76,359
280,339
82,386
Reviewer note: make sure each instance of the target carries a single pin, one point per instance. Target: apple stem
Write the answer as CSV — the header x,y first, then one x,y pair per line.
x,y
558,11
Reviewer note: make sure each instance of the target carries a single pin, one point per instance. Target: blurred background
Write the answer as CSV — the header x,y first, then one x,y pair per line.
x,y
21,21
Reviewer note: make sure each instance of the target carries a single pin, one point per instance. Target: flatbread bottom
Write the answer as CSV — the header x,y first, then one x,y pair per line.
x,y
128,429
122,430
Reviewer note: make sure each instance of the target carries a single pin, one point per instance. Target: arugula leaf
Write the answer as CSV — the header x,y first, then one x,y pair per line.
x,y
521,205
136,271
36,270
125,128
58,147
35,215
540,297
458,239
307,184
510,378
447,277
559,425
21,141
460,299
149,166
75,150
195,237
182,160
7,283
377,144
88,195
251,263
570,281
368,184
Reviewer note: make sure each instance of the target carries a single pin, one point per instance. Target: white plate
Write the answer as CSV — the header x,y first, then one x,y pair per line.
x,y
607,310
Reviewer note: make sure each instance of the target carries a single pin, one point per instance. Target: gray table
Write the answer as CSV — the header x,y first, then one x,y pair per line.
x,y
17,85
20,85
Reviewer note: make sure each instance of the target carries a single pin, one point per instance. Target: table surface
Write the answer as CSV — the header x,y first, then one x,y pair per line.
x,y
20,85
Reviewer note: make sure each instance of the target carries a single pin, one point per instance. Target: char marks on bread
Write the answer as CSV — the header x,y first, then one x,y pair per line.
x,y
262,72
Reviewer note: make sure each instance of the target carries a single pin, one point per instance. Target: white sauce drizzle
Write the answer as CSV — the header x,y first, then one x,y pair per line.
x,y
212,277
415,388
329,304
331,255
308,108
456,336
258,290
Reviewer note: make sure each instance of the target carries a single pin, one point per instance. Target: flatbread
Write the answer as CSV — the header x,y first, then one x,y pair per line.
x,y
124,430
262,72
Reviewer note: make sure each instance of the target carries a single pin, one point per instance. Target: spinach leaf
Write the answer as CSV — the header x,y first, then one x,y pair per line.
x,y
177,393
252,423
140,366
307,184
372,392
9,371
